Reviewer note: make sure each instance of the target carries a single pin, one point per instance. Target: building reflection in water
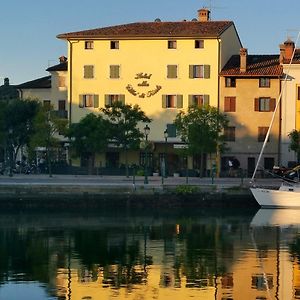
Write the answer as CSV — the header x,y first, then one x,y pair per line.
x,y
199,256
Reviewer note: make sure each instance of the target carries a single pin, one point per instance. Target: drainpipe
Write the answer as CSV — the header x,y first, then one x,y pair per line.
x,y
280,126
71,79
218,158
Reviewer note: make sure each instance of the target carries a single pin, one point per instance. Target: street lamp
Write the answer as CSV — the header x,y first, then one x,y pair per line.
x,y
146,132
165,154
10,132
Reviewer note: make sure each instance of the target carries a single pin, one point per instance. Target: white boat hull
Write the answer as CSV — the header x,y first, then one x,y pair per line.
x,y
277,198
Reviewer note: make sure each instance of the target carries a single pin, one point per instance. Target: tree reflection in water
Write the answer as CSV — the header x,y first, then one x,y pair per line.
x,y
105,255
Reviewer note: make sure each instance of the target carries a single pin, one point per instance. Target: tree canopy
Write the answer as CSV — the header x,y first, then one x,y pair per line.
x,y
295,143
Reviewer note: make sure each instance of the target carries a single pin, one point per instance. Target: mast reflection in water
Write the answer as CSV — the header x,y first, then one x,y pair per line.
x,y
200,255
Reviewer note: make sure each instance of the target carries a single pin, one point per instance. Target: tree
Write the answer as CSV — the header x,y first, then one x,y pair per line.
x,y
16,125
200,128
124,120
295,143
47,126
89,136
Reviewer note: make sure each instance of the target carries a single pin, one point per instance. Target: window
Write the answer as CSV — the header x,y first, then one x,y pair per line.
x,y
88,100
114,44
262,132
61,81
264,82
114,71
88,71
269,163
199,71
110,99
171,129
264,104
88,45
172,71
47,104
172,44
61,104
230,82
172,101
199,44
229,104
149,158
198,100
229,134
259,281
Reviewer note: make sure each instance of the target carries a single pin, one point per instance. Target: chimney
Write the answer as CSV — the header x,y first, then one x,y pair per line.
x,y
6,81
289,49
243,59
282,53
62,59
203,15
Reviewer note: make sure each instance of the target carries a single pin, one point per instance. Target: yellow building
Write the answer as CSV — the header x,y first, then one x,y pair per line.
x,y
162,66
249,88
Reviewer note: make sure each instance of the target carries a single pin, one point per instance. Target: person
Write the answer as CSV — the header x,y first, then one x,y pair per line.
x,y
230,165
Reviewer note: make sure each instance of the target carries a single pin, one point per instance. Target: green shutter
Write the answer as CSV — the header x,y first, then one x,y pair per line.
x,y
107,102
191,102
191,71
122,98
172,71
206,71
179,101
96,101
114,71
205,99
81,102
164,101
171,129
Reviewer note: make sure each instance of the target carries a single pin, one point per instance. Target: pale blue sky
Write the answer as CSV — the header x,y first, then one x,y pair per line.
x,y
28,28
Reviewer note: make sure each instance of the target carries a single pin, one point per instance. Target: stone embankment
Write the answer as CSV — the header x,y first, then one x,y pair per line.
x,y
90,192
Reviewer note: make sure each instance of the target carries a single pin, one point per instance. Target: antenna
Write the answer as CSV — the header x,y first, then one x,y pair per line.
x,y
289,32
211,7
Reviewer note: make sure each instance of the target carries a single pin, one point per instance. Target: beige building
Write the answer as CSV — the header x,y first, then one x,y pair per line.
x,y
249,88
163,67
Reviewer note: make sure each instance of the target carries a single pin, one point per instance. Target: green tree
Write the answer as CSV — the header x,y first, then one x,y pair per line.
x,y
295,143
201,128
16,124
89,136
124,120
47,126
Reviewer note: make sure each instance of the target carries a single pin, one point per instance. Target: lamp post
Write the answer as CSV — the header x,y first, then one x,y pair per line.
x,y
10,132
165,154
146,132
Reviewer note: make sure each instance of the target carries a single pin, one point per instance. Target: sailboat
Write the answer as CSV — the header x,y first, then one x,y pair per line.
x,y
288,194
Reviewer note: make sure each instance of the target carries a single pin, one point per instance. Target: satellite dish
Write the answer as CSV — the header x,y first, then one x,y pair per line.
x,y
157,20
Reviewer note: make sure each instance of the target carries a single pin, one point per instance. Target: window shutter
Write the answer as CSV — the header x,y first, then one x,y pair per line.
x,y
256,104
171,71
226,104
88,71
164,101
206,71
122,99
107,102
96,101
191,71
191,102
81,102
233,104
171,129
179,101
272,104
205,99
114,71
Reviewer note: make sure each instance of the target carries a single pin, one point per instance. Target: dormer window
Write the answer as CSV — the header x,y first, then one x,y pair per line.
x,y
199,44
172,44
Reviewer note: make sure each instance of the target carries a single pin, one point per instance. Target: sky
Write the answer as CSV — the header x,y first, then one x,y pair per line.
x,y
28,28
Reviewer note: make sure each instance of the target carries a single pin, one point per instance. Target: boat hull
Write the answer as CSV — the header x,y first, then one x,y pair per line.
x,y
276,198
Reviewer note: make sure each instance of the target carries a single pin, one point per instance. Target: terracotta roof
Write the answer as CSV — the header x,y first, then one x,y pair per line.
x,y
296,59
257,65
60,67
40,83
154,29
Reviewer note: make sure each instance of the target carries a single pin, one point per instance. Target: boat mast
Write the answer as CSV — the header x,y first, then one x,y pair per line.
x,y
276,107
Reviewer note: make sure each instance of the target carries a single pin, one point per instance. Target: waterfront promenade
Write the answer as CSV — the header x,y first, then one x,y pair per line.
x,y
84,191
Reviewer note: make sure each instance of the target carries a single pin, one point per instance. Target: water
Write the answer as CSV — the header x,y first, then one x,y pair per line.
x,y
141,256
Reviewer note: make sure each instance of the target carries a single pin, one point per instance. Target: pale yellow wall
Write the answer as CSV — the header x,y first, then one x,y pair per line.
x,y
229,45
247,120
57,92
147,56
39,94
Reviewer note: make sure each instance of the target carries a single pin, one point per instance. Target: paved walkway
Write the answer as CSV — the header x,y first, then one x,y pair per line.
x,y
94,180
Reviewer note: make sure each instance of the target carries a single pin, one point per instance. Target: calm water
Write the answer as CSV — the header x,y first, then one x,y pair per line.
x,y
135,256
